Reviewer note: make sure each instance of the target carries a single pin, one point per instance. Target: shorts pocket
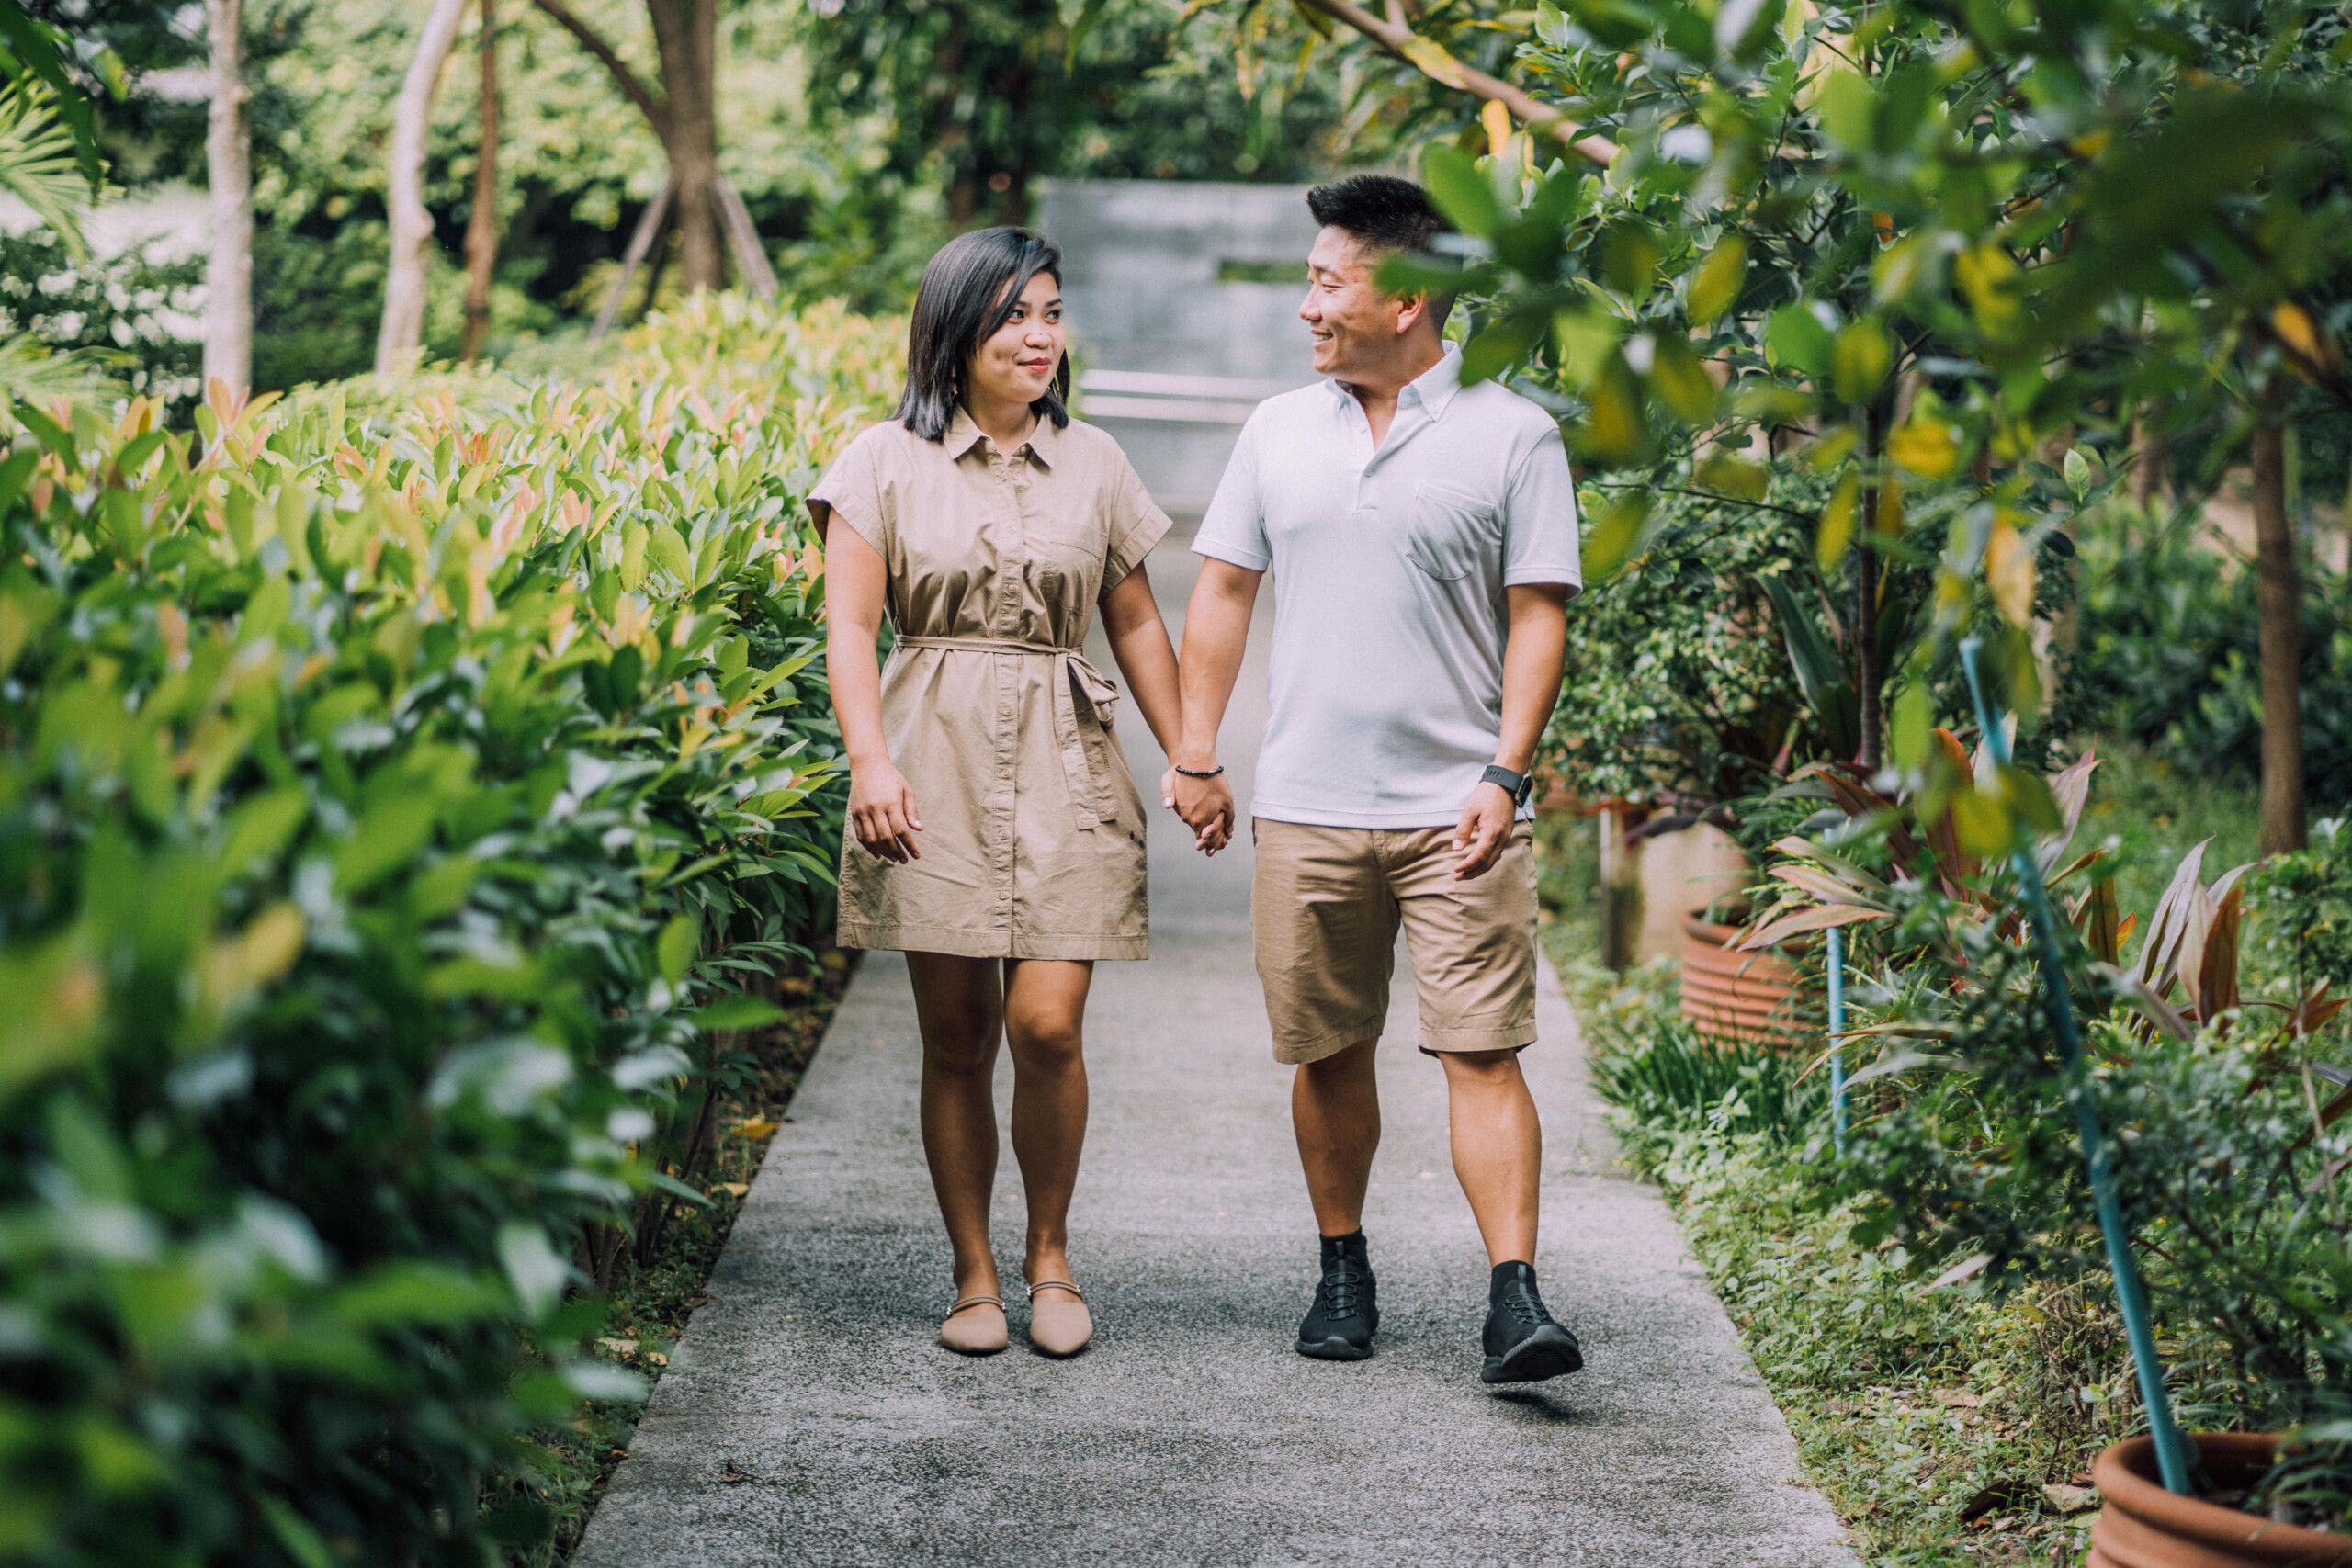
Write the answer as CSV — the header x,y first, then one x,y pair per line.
x,y
1451,533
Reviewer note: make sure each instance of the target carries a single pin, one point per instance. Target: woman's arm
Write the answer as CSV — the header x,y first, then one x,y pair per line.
x,y
1138,639
881,805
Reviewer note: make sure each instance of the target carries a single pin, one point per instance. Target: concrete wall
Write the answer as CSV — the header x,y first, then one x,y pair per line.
x,y
1174,360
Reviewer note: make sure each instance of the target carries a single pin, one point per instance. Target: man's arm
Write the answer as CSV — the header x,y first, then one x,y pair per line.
x,y
1216,630
1533,657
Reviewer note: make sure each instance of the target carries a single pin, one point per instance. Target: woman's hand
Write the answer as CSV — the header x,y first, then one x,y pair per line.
x,y
882,813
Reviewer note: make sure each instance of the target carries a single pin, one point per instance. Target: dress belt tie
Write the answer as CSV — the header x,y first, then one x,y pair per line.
x,y
1085,769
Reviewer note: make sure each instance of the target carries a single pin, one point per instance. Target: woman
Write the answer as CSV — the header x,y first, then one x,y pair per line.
x,y
995,834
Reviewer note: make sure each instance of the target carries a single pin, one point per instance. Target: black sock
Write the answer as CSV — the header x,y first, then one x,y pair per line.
x,y
1349,1247
1508,1274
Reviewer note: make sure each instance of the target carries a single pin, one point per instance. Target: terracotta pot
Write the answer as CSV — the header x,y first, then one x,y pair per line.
x,y
1728,992
2143,1526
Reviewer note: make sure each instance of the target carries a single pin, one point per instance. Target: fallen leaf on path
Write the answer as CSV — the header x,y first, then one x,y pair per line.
x,y
757,1128
729,1475
1961,1397
619,1347
2068,1499
733,1188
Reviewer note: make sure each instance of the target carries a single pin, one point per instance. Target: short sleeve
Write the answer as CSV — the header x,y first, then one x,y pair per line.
x,y
852,491
1539,532
1136,525
1234,527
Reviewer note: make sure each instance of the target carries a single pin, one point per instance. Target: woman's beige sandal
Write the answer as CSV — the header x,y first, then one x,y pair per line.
x,y
1059,1329
980,1332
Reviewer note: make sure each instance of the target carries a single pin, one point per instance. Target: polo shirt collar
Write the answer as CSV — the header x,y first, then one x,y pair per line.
x,y
964,432
1432,390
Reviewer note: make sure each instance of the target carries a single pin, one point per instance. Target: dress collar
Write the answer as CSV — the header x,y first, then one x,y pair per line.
x,y
964,432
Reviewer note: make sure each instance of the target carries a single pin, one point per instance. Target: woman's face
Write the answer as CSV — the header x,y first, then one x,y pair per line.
x,y
1017,364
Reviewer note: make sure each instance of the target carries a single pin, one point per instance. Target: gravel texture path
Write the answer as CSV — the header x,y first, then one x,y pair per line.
x,y
1191,1432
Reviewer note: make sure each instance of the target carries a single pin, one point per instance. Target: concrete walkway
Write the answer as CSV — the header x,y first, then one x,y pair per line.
x,y
1191,1433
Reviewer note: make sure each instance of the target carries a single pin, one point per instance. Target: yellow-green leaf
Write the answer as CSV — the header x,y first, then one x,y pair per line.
x,y
2008,572
1715,286
1863,356
1836,531
1431,57
1680,381
1733,475
1928,447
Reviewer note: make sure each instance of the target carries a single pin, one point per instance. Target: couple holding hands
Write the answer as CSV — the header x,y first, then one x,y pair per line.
x,y
1423,537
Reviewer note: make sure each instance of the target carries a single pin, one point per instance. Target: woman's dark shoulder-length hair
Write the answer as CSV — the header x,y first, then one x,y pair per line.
x,y
969,290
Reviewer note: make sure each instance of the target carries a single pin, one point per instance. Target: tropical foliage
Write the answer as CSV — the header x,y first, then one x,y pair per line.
x,y
394,797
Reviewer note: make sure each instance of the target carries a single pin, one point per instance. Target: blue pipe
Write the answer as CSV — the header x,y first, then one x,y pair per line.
x,y
1837,1027
2131,1293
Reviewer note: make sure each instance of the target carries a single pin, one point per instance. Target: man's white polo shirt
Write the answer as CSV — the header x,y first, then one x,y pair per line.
x,y
1390,568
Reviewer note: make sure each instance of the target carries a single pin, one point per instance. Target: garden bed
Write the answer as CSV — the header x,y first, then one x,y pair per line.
x,y
652,1305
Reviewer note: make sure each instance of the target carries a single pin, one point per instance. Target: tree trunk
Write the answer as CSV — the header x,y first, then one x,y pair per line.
x,y
686,34
481,224
401,339
2278,594
228,158
2151,463
1870,681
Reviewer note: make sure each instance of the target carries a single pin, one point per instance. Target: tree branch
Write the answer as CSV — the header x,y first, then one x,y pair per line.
x,y
633,87
1398,39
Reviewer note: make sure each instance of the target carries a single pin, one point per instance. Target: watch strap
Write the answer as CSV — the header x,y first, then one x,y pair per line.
x,y
1519,786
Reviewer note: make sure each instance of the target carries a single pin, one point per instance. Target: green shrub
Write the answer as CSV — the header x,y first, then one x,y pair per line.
x,y
2167,655
389,804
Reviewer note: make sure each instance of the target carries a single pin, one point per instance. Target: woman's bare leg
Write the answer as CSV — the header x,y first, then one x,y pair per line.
x,y
1045,1014
959,1004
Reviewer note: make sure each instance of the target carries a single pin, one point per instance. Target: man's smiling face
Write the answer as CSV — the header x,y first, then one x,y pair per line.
x,y
1355,326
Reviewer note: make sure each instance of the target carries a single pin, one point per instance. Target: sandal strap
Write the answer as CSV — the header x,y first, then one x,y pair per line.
x,y
1055,1285
996,1302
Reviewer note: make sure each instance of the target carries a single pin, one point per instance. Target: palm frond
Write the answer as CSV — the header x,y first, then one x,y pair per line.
x,y
38,164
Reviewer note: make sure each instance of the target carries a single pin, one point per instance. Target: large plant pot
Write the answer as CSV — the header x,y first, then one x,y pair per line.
x,y
1729,993
2143,1526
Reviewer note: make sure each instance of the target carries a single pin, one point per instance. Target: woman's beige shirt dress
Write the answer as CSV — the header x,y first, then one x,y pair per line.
x,y
1032,833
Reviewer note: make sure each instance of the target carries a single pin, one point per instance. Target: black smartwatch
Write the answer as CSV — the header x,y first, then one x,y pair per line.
x,y
1519,786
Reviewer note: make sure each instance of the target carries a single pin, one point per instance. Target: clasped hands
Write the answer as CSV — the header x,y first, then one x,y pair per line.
x,y
1206,805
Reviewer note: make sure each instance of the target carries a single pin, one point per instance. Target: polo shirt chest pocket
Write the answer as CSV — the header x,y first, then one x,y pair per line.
x,y
1450,533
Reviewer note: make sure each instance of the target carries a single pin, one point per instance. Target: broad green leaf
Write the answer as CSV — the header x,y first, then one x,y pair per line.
x,y
633,547
388,835
680,940
1795,339
737,1012
1846,106
668,551
1462,192
1680,381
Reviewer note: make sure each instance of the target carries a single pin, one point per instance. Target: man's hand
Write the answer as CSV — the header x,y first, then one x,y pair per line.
x,y
1206,806
1484,829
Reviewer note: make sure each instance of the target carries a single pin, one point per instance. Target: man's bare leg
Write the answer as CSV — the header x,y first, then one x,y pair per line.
x,y
1497,1148
1335,1110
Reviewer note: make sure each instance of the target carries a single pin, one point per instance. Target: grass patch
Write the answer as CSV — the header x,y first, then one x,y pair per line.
x,y
650,1304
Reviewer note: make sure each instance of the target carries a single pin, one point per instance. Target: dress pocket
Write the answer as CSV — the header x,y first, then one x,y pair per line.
x,y
1451,533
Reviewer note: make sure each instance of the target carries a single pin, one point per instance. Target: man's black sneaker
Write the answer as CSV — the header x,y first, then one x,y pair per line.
x,y
1339,1325
1523,1345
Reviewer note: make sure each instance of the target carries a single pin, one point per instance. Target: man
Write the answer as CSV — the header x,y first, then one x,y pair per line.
x,y
1423,539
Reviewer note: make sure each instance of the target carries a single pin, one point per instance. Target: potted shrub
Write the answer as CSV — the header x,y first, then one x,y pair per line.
x,y
2225,1135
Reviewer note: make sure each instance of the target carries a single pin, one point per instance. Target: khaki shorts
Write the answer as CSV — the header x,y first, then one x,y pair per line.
x,y
1325,907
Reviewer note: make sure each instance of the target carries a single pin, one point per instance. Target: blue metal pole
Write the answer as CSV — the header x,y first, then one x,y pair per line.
x,y
2131,1293
1837,1027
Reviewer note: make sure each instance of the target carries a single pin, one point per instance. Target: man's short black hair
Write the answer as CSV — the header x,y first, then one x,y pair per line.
x,y
1382,212
1385,214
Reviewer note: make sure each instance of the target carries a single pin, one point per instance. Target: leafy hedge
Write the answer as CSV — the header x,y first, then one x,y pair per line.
x,y
389,803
